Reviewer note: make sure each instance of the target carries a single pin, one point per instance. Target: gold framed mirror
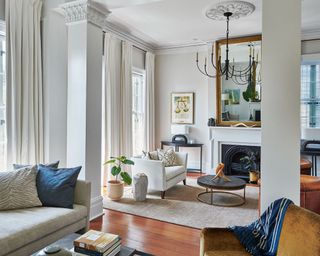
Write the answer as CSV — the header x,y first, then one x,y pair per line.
x,y
238,97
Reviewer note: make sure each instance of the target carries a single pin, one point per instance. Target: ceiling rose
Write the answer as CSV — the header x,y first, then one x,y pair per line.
x,y
238,8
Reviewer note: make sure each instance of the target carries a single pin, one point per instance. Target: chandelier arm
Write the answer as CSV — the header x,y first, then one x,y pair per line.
x,y
205,70
215,67
200,69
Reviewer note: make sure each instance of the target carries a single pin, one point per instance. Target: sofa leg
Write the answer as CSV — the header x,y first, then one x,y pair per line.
x,y
184,182
163,194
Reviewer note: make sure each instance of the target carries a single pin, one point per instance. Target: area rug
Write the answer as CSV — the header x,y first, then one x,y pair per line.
x,y
181,207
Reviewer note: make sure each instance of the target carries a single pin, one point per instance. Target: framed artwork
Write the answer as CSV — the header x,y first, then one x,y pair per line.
x,y
182,107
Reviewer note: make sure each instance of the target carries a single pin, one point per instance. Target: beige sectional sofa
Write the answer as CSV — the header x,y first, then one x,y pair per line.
x,y
25,231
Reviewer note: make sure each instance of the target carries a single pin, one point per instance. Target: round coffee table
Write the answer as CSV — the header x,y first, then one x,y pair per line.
x,y
219,186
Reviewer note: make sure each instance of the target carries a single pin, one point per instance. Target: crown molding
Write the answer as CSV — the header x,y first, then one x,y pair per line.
x,y
184,48
84,10
310,34
136,41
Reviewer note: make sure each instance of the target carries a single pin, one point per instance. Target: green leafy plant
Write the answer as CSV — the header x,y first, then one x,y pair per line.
x,y
250,162
117,168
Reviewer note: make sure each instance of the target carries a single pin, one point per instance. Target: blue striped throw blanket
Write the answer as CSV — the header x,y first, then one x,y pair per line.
x,y
262,236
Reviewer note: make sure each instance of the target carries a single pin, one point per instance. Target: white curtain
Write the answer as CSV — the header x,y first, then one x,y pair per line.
x,y
126,100
149,103
111,105
24,81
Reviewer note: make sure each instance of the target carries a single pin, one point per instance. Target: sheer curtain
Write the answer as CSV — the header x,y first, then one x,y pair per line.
x,y
149,103
126,100
111,111
24,81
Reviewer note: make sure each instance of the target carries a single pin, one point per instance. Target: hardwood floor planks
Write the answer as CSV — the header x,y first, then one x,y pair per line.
x,y
152,236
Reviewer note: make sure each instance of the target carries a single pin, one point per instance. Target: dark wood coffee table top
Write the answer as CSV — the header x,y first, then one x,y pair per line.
x,y
208,182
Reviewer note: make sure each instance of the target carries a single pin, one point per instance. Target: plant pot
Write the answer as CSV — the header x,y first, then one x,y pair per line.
x,y
115,190
254,176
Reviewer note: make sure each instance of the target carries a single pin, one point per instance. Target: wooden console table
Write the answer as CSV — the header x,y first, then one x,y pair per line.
x,y
177,146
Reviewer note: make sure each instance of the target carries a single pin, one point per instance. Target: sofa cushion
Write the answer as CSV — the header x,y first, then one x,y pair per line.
x,y
173,171
18,189
21,227
56,186
19,166
168,157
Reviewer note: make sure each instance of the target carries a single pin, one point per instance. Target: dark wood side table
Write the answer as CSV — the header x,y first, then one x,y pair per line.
x,y
219,186
177,146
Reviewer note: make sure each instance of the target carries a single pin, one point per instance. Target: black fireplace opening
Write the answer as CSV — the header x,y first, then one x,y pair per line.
x,y
232,155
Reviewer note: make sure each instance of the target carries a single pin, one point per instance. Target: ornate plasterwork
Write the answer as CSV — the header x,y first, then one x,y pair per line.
x,y
84,10
238,8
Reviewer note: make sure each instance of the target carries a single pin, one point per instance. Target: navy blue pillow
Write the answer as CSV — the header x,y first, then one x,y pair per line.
x,y
56,186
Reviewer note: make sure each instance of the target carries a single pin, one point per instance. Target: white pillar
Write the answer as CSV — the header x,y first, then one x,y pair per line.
x,y
85,36
280,153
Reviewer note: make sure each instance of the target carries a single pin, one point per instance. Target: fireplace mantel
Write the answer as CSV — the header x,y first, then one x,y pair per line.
x,y
219,135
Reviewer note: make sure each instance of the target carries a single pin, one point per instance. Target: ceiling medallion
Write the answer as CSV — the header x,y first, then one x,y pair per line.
x,y
238,8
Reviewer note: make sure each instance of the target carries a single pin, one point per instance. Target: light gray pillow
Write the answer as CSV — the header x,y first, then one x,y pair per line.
x,y
18,189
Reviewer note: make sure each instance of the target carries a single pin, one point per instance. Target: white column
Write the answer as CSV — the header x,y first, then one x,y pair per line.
x,y
85,39
281,45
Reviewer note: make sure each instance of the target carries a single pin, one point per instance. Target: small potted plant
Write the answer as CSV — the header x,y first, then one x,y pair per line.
x,y
250,164
115,187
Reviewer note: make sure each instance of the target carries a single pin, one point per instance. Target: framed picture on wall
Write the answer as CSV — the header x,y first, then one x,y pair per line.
x,y
182,107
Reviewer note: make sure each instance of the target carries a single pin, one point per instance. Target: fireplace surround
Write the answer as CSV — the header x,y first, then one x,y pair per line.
x,y
231,157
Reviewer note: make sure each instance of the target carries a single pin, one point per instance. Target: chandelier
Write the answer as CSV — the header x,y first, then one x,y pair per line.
x,y
239,75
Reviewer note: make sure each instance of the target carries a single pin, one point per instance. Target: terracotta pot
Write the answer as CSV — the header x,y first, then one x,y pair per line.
x,y
254,176
115,190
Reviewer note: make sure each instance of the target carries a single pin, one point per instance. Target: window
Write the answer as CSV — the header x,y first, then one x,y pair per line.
x,y
138,112
310,95
3,137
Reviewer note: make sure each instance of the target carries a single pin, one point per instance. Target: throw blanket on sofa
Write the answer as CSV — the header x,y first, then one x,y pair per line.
x,y
262,236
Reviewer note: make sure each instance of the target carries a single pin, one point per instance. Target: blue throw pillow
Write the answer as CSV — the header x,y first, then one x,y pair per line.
x,y
56,186
19,166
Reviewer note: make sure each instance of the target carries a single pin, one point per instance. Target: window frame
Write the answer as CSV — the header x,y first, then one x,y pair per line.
x,y
309,59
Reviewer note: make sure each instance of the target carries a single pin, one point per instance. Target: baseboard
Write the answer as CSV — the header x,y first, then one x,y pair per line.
x,y
96,209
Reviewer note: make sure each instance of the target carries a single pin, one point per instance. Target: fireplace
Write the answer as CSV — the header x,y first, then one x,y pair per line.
x,y
231,157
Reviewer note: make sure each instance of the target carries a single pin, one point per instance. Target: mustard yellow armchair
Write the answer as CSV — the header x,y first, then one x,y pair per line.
x,y
300,235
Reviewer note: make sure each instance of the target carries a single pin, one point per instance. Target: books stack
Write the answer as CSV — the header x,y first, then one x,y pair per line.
x,y
96,243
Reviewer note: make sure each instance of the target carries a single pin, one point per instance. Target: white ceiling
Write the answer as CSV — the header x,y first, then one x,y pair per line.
x,y
168,23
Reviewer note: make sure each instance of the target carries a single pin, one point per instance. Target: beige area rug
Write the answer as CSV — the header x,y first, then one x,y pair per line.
x,y
182,207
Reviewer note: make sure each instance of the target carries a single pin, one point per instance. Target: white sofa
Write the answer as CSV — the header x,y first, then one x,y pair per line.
x,y
162,178
25,231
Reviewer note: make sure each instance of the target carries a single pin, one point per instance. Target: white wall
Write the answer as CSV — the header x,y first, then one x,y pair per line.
x,y
280,140
177,72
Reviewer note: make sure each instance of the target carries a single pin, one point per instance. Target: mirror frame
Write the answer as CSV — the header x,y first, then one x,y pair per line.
x,y
219,43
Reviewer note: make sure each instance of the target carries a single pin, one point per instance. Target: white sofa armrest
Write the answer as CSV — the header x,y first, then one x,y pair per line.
x,y
82,196
182,159
154,169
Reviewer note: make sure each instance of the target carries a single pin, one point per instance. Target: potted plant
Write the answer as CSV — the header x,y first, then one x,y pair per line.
x,y
115,187
250,164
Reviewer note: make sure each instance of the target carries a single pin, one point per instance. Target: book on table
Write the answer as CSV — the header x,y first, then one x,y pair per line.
x,y
97,242
108,252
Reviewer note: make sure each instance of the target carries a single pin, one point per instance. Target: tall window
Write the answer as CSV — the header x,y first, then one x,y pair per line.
x,y
310,95
3,137
138,112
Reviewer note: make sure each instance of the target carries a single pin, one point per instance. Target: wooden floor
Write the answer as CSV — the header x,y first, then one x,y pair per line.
x,y
148,235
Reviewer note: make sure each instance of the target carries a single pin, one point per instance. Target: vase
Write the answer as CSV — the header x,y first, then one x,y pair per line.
x,y
254,176
115,190
140,187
